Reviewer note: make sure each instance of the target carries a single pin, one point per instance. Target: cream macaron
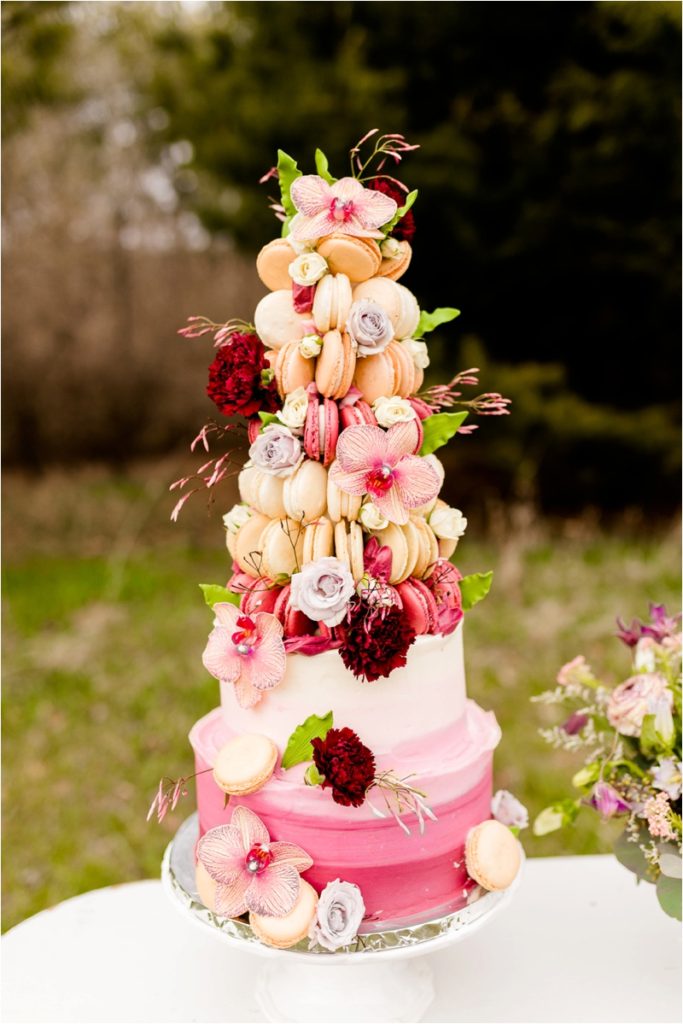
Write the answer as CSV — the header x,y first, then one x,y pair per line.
x,y
332,301
305,492
335,365
492,855
348,547
244,764
404,550
428,547
248,545
263,491
283,932
357,258
341,505
272,264
282,545
276,321
318,540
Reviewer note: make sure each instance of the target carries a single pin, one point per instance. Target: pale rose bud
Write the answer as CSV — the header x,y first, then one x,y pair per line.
x,y
308,268
644,659
508,810
448,523
322,590
338,916
276,450
310,346
236,517
371,517
293,412
631,701
369,327
417,351
607,801
390,248
392,410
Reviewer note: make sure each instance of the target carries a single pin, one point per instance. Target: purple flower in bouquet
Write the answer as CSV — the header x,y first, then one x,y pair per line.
x,y
575,723
661,624
607,801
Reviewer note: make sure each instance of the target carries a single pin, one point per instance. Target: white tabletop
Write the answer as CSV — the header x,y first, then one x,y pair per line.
x,y
580,942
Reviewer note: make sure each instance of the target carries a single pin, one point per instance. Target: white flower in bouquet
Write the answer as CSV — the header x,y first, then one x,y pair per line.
x,y
508,810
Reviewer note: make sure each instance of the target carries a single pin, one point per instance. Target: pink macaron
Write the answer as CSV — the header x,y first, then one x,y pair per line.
x,y
294,622
321,429
358,413
419,605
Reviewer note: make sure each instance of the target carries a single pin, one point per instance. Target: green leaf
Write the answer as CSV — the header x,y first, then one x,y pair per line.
x,y
267,417
322,166
430,321
474,588
298,747
288,172
401,212
312,776
670,861
440,428
649,740
630,855
669,895
586,776
556,816
213,593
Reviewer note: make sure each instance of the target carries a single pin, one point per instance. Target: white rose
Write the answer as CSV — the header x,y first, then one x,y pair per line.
x,y
392,410
508,810
307,268
322,590
310,346
293,412
448,523
236,517
371,517
418,352
390,248
338,916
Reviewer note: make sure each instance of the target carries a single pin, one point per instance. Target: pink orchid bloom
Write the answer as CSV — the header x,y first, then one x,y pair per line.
x,y
344,208
245,650
382,464
250,872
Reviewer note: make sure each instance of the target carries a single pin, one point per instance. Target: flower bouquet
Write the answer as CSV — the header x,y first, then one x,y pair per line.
x,y
631,737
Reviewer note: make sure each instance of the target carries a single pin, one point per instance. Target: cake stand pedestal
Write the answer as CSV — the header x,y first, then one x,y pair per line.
x,y
385,977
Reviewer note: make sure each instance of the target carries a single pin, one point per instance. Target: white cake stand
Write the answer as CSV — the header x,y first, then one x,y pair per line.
x,y
383,978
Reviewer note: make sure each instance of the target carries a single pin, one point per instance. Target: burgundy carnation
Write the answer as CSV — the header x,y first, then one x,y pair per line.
x,y
235,381
374,642
405,229
347,765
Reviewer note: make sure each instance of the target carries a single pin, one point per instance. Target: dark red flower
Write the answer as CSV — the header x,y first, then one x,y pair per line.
x,y
374,641
236,383
405,229
347,765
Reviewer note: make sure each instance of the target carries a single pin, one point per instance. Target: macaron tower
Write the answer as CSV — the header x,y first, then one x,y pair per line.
x,y
340,777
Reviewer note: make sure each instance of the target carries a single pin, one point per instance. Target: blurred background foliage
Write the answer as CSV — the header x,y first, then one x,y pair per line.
x,y
548,212
134,138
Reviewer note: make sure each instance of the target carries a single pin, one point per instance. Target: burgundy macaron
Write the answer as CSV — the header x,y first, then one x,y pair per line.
x,y
257,595
357,414
294,622
419,605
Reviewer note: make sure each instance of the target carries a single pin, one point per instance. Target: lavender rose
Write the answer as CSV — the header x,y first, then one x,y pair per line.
x,y
369,326
322,590
508,810
338,917
634,699
276,450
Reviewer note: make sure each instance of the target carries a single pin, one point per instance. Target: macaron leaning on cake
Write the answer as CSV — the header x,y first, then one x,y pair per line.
x,y
276,321
335,365
283,932
272,264
357,258
244,764
492,855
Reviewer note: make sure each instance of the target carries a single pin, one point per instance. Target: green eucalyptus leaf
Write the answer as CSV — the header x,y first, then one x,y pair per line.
x,y
298,747
474,588
439,428
214,593
630,855
670,861
556,816
430,321
400,212
669,895
322,166
288,172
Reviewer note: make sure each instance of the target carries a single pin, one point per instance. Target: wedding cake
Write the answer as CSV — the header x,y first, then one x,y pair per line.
x,y
344,784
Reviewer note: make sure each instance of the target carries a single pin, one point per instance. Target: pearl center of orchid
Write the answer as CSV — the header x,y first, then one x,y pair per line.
x,y
380,479
258,858
242,637
341,209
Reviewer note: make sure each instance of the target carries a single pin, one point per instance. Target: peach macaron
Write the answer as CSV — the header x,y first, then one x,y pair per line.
x,y
357,258
335,365
272,264
244,764
283,932
396,266
332,302
492,855
375,376
292,369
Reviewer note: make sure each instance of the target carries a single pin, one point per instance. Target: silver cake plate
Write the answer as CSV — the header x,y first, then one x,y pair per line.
x,y
288,990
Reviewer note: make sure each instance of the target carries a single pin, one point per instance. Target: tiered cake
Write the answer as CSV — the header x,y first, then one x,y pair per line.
x,y
345,769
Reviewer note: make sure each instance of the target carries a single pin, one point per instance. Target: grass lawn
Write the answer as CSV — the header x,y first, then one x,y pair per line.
x,y
104,630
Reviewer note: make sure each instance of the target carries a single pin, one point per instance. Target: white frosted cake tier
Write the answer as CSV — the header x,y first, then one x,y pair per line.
x,y
426,696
